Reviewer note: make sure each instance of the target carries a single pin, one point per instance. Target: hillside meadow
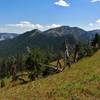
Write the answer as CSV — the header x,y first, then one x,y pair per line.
x,y
80,82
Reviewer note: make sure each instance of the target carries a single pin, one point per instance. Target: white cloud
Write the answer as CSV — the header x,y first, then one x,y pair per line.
x,y
3,29
53,26
95,25
93,1
98,21
62,3
23,26
91,24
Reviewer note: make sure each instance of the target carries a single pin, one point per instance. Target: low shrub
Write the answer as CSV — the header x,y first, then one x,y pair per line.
x,y
2,83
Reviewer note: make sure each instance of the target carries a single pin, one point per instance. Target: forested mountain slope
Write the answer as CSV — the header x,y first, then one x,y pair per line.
x,y
52,38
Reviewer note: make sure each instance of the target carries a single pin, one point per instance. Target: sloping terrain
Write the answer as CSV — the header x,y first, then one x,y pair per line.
x,y
80,82
6,36
52,38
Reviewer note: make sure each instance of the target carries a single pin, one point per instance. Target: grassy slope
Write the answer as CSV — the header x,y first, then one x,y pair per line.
x,y
81,82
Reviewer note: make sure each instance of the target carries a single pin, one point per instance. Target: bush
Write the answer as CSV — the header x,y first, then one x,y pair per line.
x,y
91,51
34,63
2,83
49,71
32,76
36,72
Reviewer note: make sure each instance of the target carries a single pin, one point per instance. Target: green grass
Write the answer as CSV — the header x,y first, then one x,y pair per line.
x,y
81,82
7,81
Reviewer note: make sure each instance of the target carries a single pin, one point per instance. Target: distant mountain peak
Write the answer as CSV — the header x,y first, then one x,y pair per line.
x,y
52,38
95,31
6,36
33,31
36,30
63,30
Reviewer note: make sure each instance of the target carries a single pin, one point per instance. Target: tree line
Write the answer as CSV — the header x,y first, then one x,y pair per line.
x,y
35,61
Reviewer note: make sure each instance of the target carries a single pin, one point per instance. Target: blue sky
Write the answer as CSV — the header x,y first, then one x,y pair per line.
x,y
19,16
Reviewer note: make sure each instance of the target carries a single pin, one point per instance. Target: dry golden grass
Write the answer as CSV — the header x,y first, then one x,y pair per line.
x,y
81,82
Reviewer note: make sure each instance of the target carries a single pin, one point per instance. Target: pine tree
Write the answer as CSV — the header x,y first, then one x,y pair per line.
x,y
34,63
96,41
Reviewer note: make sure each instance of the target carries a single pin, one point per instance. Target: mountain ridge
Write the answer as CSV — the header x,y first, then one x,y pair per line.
x,y
52,38
6,36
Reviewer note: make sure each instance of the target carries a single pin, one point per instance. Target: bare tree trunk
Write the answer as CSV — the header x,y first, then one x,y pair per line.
x,y
14,72
66,57
58,64
76,53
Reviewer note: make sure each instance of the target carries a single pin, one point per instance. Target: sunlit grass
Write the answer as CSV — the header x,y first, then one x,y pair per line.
x,y
81,82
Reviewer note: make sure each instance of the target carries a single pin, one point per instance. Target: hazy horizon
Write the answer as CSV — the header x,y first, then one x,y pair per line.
x,y
46,30
25,15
